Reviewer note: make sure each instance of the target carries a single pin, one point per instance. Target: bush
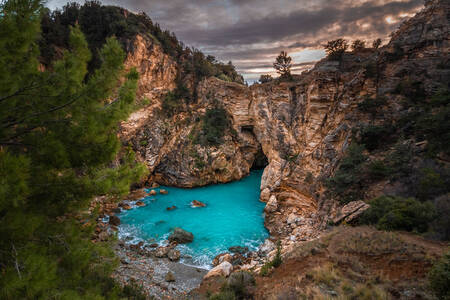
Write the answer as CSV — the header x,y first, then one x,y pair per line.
x,y
372,106
346,182
439,277
397,213
214,125
274,263
377,170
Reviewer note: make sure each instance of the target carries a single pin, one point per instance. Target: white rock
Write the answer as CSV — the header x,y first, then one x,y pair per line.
x,y
224,269
272,205
267,246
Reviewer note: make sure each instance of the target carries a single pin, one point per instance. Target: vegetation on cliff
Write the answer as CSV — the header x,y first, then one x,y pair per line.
x,y
98,22
57,150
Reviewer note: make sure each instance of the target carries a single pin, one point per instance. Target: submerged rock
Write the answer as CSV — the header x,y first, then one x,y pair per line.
x,y
163,192
181,236
114,220
196,203
224,269
171,207
238,249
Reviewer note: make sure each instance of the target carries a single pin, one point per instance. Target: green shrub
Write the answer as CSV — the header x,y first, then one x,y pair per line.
x,y
375,136
439,278
274,263
346,182
372,106
214,125
378,170
397,213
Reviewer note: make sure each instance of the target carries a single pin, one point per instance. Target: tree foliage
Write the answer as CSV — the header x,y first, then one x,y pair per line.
x,y
57,143
376,43
283,64
336,48
358,45
265,78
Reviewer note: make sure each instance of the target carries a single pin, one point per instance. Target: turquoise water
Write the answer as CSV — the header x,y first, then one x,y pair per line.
x,y
233,217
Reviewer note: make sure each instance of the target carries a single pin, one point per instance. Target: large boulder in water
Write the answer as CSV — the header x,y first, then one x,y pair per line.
x,y
196,203
174,255
238,249
181,236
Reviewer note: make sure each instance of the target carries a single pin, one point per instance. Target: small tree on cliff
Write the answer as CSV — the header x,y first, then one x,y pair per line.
x,y
336,48
265,78
283,65
376,44
358,45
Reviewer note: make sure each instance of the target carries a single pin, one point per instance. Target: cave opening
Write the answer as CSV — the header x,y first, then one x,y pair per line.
x,y
260,161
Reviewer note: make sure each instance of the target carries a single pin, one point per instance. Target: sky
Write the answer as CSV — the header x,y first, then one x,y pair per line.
x,y
251,33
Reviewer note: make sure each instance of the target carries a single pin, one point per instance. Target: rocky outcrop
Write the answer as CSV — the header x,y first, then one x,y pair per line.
x,y
300,128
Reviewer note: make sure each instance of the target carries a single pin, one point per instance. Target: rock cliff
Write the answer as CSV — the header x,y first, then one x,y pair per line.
x,y
298,130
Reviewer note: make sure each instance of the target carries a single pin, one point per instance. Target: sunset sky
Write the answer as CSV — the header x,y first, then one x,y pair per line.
x,y
251,33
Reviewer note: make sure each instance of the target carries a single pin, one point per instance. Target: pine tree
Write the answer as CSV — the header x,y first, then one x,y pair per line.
x,y
283,64
57,143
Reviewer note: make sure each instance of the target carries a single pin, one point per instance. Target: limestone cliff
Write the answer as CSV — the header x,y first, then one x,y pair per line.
x,y
302,127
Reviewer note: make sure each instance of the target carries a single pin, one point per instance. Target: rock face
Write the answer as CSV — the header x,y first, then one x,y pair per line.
x,y
224,269
181,236
298,131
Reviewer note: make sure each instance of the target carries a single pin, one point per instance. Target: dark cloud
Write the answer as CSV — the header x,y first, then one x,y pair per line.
x,y
253,32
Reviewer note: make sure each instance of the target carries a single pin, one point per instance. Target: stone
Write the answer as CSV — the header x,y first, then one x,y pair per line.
x,y
265,195
181,236
154,245
170,277
152,193
161,252
272,205
221,258
174,255
163,192
293,219
171,207
114,220
267,247
238,249
350,211
224,269
140,203
155,185
126,207
196,203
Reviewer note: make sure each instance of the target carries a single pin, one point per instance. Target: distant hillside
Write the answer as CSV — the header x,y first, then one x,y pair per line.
x,y
99,22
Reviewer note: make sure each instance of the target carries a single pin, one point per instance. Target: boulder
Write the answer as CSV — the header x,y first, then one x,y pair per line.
x,y
224,269
126,207
152,193
154,245
272,205
267,247
181,236
114,220
174,255
265,195
350,211
238,249
293,219
163,192
171,207
196,203
161,252
140,203
221,258
155,185
170,277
